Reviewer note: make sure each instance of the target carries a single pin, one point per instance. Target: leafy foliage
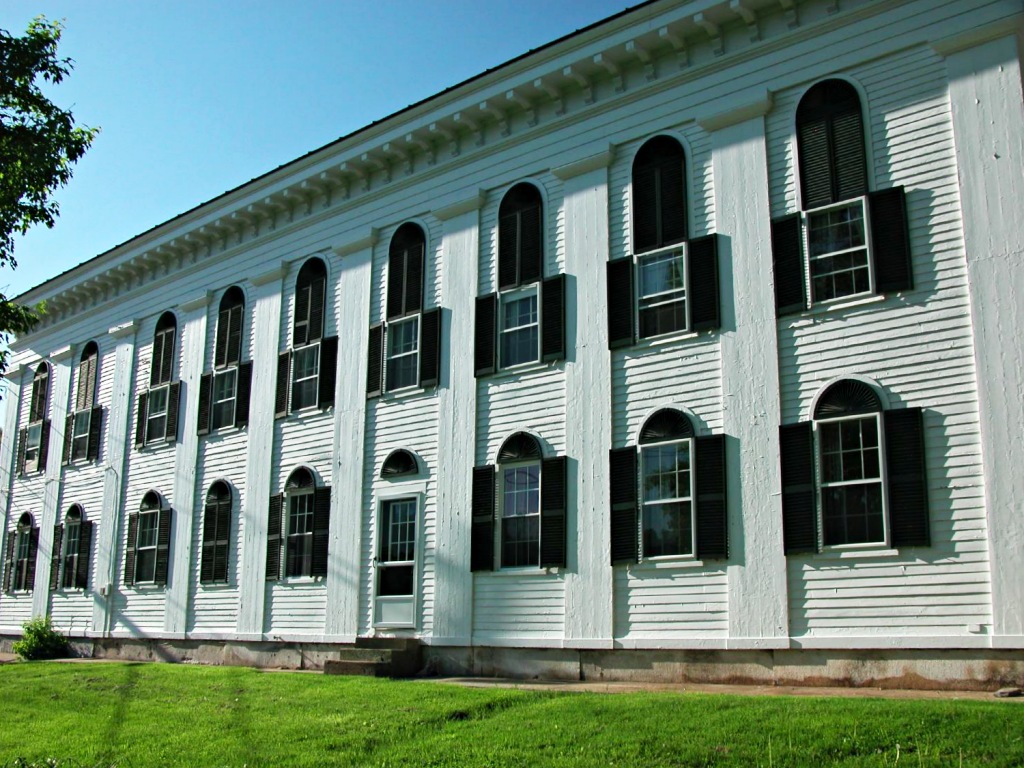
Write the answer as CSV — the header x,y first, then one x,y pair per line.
x,y
39,143
41,641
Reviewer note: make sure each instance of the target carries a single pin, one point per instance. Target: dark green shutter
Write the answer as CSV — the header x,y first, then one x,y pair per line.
x,y
9,559
243,394
531,244
220,347
205,396
55,558
645,208
430,348
318,289
140,419
84,554
22,440
851,176
482,533
33,554
484,341
173,407
275,539
375,361
710,487
412,299
163,546
69,428
208,555
622,478
328,377
799,508
92,450
300,322
672,199
234,343
396,283
284,367
321,530
552,318
907,479
620,303
703,287
890,240
508,248
815,163
129,551
44,445
788,264
553,514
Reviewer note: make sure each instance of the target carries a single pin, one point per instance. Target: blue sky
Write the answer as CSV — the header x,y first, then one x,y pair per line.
x,y
197,97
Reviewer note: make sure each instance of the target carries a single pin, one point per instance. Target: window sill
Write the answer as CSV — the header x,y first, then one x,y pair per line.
x,y
530,571
223,432
520,370
296,581
147,586
856,552
216,585
663,342
666,564
825,309
406,393
306,413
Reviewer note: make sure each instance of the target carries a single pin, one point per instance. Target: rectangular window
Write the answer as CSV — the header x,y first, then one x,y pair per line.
x,y
520,516
519,333
403,354
851,481
145,547
225,386
661,292
33,440
80,435
72,533
22,556
156,414
837,252
305,377
667,500
299,560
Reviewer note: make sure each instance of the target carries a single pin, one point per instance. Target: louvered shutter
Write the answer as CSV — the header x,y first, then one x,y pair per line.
x,y
552,318
321,530
553,515
69,428
414,268
508,251
84,554
316,309
173,407
209,546
275,512
622,477
220,349
396,283
799,510
55,558
284,366
710,487
33,553
328,371
788,264
890,240
9,559
482,534
672,200
375,361
140,419
167,359
620,303
92,449
234,341
851,177
44,445
907,478
223,542
430,348
815,163
531,244
163,546
300,323
205,397
645,208
129,552
22,440
703,283
484,341
243,394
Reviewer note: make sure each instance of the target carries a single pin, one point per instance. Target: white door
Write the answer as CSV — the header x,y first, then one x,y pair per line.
x,y
395,571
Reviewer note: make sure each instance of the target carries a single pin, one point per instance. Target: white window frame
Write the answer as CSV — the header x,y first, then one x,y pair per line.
x,y
22,555
151,416
69,554
821,485
387,491
690,444
501,469
80,438
33,443
391,356
504,299
307,496
218,376
680,249
148,548
867,248
294,380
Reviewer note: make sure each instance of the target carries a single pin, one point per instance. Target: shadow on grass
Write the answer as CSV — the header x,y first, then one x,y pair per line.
x,y
125,694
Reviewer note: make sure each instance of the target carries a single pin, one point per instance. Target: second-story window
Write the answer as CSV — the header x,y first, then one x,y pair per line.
x,y
34,440
306,373
404,349
157,411
224,392
83,428
524,321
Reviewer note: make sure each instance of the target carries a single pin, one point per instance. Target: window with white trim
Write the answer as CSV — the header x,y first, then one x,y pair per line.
x,y
298,526
22,550
33,440
306,374
149,539
157,409
82,429
72,546
224,391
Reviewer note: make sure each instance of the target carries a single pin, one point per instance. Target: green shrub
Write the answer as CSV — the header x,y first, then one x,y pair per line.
x,y
41,641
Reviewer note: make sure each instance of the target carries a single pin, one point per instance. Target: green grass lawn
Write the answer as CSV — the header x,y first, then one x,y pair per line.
x,y
135,715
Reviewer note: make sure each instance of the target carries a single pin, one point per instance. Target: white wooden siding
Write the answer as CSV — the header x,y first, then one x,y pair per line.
x,y
509,608
658,604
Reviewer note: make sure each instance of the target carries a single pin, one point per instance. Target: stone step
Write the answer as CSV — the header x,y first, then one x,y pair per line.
x,y
389,643
357,667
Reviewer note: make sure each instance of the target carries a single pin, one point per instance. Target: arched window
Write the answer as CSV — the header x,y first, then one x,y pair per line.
x,y
224,392
149,541
523,322
849,241
22,548
306,375
409,338
157,411
530,492
72,545
855,475
677,481
399,464
213,566
299,528
670,283
82,430
34,440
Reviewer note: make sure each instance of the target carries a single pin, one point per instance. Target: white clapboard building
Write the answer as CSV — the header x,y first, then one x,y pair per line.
x,y
685,347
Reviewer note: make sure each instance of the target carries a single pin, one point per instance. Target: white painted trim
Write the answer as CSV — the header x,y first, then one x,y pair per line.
x,y
367,241
880,392
197,303
1011,25
58,355
891,642
124,329
452,210
277,273
585,165
759,105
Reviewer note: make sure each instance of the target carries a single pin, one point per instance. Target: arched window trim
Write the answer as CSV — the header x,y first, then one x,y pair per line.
x,y
224,391
298,527
149,540
310,303
399,463
157,408
161,369
659,194
230,317
72,547
22,551
34,439
82,429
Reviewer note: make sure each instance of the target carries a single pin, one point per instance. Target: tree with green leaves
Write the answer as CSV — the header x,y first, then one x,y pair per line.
x,y
39,143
